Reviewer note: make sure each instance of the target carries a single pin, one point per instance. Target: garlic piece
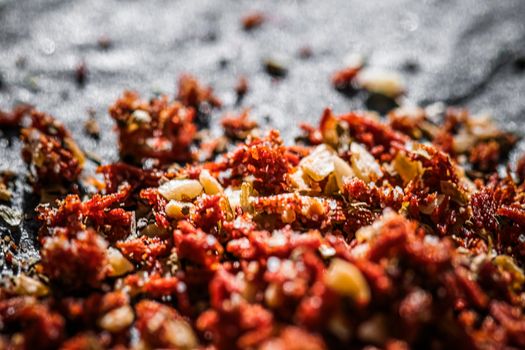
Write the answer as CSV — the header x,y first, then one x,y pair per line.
x,y
180,190
364,164
319,164
381,81
211,185
25,285
178,210
347,280
298,180
407,168
342,171
118,263
180,334
234,198
141,116
117,319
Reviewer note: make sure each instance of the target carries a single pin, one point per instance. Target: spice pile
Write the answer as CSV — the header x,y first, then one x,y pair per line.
x,y
366,233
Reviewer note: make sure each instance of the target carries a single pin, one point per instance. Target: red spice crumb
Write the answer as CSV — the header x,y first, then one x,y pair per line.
x,y
344,78
84,254
157,129
241,88
14,117
485,155
193,94
253,20
238,127
51,153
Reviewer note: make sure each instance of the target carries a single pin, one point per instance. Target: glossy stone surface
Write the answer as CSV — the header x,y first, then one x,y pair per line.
x,y
468,52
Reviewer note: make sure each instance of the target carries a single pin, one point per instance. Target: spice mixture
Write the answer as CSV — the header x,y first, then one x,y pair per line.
x,y
367,233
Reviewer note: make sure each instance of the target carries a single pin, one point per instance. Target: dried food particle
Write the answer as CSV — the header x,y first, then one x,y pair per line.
x,y
157,129
379,81
161,326
319,164
485,156
192,94
241,88
177,209
14,117
266,159
238,127
52,155
275,67
364,164
81,73
119,265
305,52
253,20
209,183
346,279
5,193
65,259
104,42
343,79
25,285
92,128
181,189
11,216
117,320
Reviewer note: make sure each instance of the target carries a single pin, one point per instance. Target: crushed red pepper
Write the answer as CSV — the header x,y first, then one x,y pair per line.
x,y
238,127
50,151
363,237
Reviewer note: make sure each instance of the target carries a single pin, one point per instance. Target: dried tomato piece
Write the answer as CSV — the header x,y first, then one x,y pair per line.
x,y
75,262
161,326
117,174
266,159
193,94
99,212
253,20
14,117
233,325
344,78
208,213
158,203
144,249
195,245
372,133
238,127
52,155
485,156
41,327
157,129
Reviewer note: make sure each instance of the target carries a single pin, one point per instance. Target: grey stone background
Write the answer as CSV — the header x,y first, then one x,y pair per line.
x,y
469,52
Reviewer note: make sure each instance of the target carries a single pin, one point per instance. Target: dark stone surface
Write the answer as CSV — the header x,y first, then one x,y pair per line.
x,y
468,52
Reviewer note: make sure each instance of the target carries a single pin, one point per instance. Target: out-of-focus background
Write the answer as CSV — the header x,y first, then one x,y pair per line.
x,y
468,52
